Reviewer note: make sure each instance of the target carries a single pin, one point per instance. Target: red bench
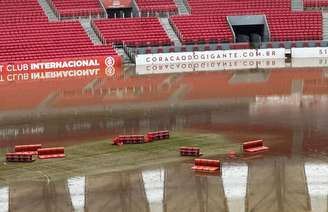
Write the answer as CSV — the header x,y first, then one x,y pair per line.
x,y
190,151
205,165
158,135
19,157
46,153
29,149
128,139
254,146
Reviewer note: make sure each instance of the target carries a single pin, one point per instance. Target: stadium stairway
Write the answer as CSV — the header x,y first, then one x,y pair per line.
x,y
48,10
169,31
297,5
86,24
126,59
325,26
183,10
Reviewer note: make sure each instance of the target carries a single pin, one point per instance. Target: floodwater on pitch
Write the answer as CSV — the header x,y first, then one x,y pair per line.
x,y
286,107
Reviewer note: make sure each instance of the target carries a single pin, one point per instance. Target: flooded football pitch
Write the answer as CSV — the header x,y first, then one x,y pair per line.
x,y
287,108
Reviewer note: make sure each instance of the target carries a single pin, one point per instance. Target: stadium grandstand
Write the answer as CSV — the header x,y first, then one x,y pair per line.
x,y
50,29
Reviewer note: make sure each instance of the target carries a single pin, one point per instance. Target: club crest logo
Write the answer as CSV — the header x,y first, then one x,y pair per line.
x,y
109,61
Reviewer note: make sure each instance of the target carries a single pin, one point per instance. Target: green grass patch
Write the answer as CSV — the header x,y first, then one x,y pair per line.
x,y
100,157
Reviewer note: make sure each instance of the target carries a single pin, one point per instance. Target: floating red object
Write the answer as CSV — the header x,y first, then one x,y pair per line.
x,y
128,139
140,139
28,149
190,151
205,165
232,154
158,135
254,146
46,153
19,157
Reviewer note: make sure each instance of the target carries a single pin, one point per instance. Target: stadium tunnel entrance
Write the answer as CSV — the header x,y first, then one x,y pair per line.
x,y
252,29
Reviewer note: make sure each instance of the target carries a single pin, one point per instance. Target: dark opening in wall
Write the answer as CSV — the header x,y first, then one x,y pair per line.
x,y
119,12
249,33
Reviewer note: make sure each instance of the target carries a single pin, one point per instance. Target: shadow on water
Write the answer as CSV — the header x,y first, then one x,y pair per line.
x,y
288,108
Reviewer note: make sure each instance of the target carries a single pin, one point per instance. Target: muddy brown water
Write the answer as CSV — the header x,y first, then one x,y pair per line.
x,y
286,107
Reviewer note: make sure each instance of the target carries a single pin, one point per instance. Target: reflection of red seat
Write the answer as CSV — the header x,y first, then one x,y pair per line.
x,y
254,146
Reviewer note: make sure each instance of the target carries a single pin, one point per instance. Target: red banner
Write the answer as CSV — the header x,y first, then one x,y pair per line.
x,y
60,68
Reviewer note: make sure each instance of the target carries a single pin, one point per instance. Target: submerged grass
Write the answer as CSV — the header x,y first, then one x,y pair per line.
x,y
100,157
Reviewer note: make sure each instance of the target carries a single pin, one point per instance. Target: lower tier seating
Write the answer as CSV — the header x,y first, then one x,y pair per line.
x,y
133,31
195,28
41,41
296,26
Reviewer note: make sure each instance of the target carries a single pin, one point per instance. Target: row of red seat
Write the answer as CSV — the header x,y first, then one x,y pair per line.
x,y
67,8
212,6
133,31
315,3
156,6
192,28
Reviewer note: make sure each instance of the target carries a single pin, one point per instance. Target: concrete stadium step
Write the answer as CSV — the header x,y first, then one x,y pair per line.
x,y
297,5
48,10
122,53
169,31
325,25
86,24
183,10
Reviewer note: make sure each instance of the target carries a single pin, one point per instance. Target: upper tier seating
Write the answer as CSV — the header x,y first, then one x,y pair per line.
x,y
198,28
133,31
222,7
26,36
20,11
315,3
156,6
74,8
206,24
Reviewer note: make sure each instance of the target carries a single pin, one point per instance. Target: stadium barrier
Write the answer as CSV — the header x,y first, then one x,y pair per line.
x,y
47,153
205,56
108,62
254,146
309,52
